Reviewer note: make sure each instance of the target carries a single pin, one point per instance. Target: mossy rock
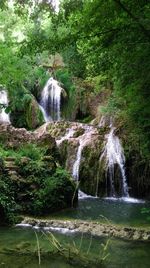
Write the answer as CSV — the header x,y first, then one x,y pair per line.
x,y
92,170
34,116
79,132
58,129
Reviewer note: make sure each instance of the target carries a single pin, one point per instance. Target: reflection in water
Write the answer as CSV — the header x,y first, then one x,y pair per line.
x,y
122,254
118,212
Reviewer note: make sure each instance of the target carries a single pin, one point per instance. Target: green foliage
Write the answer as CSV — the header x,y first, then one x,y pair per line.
x,y
4,151
56,192
66,79
7,202
146,211
39,187
32,151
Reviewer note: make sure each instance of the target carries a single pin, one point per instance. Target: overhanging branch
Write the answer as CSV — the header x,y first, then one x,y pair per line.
x,y
144,30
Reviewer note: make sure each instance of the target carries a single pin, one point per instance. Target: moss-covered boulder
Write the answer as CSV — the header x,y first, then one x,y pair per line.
x,y
92,170
33,114
138,174
28,114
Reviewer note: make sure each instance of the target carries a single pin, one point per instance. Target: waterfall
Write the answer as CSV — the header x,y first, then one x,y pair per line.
x,y
67,136
51,100
83,140
4,117
76,166
47,117
114,154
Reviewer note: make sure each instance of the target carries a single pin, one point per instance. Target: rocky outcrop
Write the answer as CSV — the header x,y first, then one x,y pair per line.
x,y
15,137
34,117
94,228
28,114
69,136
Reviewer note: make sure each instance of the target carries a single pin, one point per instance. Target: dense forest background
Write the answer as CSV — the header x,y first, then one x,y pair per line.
x,y
103,43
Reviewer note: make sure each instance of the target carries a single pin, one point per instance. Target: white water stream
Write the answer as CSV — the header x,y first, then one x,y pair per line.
x,y
83,141
51,100
114,154
69,134
4,117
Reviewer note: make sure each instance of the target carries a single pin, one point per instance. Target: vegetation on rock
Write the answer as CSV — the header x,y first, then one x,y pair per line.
x,y
32,181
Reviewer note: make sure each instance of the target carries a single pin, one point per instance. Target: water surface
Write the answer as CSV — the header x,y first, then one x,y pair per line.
x,y
114,211
122,254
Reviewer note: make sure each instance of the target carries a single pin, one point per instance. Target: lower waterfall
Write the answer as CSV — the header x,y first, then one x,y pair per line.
x,y
83,141
114,154
88,159
4,117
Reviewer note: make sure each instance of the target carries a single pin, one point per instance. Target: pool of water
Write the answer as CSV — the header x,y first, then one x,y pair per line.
x,y
114,211
122,254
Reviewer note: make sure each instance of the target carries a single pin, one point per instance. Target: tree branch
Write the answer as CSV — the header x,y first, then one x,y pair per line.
x,y
144,30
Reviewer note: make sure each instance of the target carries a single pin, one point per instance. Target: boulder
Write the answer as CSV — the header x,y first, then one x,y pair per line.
x,y
34,116
15,137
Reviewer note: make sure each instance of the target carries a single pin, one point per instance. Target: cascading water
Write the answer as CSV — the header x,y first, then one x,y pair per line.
x,y
4,117
68,135
113,153
47,118
76,166
83,141
51,100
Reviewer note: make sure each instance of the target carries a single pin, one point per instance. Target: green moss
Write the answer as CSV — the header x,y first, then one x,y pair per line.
x,y
34,116
7,202
92,171
79,132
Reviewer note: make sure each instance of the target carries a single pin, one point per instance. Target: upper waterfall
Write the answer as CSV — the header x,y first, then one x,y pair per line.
x,y
114,154
4,117
51,100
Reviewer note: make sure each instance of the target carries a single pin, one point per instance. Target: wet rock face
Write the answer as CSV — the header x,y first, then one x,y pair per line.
x,y
72,137
34,117
138,172
28,116
92,171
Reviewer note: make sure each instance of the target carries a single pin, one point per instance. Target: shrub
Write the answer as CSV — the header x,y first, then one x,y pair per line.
x,y
32,151
7,203
55,192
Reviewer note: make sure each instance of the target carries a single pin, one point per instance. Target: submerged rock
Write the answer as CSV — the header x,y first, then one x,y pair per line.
x,y
94,228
